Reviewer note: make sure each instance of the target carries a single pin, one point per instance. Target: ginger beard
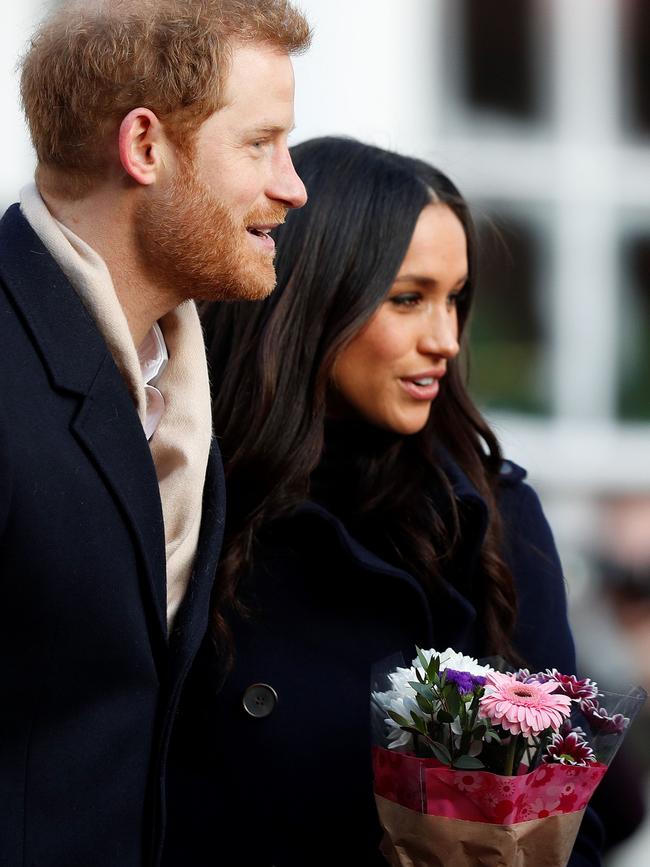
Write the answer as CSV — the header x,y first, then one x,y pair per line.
x,y
192,242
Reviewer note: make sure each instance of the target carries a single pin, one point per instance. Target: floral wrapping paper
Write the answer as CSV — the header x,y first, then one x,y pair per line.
x,y
479,796
436,815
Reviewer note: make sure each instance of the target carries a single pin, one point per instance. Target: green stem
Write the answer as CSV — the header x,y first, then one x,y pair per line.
x,y
510,756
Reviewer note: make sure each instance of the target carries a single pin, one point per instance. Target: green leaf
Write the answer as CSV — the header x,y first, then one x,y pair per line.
x,y
440,751
422,689
412,730
399,719
433,669
419,723
424,704
444,716
468,763
453,701
422,658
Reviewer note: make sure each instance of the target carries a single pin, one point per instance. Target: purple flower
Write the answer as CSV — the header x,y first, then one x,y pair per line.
x,y
567,727
568,684
599,719
568,749
572,686
524,676
464,681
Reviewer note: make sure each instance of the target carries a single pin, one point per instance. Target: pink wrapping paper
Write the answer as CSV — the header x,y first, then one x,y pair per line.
x,y
426,786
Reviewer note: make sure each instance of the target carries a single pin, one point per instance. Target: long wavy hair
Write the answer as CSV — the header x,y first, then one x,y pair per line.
x,y
272,366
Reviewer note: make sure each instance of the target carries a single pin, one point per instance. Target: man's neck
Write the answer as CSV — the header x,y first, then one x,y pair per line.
x,y
105,221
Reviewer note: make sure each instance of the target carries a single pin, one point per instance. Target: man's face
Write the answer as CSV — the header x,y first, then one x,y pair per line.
x,y
206,229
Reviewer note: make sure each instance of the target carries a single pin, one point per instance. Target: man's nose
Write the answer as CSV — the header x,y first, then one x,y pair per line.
x,y
286,185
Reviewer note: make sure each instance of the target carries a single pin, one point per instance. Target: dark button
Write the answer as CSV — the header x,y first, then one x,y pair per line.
x,y
259,700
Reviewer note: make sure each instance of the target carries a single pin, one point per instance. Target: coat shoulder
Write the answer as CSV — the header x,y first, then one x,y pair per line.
x,y
511,474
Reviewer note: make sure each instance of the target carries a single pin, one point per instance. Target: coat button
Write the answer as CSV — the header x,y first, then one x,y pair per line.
x,y
259,700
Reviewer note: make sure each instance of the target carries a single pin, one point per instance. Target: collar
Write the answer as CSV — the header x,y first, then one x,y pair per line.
x,y
153,358
451,612
90,278
152,354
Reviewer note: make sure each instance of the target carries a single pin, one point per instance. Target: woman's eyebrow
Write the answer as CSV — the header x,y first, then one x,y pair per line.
x,y
428,281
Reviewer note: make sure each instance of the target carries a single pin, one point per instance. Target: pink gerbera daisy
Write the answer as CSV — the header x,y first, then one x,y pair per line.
x,y
523,708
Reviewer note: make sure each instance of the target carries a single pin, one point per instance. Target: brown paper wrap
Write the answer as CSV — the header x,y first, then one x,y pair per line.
x,y
417,840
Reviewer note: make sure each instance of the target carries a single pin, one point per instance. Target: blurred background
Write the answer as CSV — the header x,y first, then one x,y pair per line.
x,y
540,111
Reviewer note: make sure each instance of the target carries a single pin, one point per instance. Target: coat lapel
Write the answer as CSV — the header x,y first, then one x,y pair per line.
x,y
108,427
107,424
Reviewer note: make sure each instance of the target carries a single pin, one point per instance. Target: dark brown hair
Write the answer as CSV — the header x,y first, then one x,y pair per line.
x,y
272,362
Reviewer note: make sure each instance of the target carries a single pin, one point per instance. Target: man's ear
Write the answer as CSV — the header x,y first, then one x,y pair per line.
x,y
141,145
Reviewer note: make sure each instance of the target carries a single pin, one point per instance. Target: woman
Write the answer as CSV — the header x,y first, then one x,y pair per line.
x,y
369,510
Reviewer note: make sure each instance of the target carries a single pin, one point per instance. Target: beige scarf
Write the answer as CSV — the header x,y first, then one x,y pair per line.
x,y
181,442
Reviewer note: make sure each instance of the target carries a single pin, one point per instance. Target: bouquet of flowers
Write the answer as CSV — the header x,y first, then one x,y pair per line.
x,y
478,765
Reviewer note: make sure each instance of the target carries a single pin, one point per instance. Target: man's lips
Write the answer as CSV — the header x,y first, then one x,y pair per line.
x,y
259,232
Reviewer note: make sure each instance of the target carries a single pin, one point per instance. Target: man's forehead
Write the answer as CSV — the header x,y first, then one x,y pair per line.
x,y
260,86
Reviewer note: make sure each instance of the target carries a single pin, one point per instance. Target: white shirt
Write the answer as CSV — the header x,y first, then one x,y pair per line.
x,y
153,358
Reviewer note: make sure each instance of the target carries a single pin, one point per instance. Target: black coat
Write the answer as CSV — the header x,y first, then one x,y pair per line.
x,y
294,787
88,679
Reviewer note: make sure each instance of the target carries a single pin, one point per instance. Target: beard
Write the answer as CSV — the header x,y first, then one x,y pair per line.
x,y
191,242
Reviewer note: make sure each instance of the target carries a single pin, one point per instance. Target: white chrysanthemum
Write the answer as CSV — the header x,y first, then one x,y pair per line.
x,y
401,703
451,659
400,679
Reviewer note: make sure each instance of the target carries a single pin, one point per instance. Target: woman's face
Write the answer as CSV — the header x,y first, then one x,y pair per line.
x,y
390,372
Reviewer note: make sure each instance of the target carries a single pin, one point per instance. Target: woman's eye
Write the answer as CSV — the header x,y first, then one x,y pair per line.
x,y
406,299
455,297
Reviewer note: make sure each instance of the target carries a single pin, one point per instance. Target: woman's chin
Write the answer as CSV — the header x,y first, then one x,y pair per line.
x,y
404,424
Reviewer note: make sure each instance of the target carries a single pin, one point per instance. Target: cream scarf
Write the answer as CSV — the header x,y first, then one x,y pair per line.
x,y
181,442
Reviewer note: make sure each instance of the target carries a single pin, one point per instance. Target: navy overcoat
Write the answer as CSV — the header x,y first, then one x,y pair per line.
x,y
273,769
88,676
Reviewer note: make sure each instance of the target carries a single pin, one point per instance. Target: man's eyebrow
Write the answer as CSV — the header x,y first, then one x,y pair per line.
x,y
269,129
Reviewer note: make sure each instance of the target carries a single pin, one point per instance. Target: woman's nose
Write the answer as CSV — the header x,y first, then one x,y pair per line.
x,y
440,334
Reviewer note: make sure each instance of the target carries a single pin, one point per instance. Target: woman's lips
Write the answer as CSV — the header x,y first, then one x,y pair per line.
x,y
423,386
420,392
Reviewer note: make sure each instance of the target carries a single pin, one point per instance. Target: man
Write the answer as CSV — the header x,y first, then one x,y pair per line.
x,y
161,135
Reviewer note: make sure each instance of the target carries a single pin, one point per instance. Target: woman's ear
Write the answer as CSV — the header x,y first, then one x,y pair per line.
x,y
142,143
